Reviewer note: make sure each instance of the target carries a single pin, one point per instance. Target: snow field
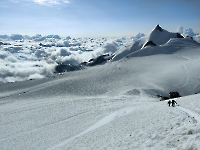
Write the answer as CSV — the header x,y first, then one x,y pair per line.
x,y
139,127
111,106
101,123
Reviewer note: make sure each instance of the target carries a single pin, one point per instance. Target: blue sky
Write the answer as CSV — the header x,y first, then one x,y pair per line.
x,y
85,18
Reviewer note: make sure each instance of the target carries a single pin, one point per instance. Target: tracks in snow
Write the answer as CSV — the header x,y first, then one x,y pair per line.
x,y
117,114
102,122
191,113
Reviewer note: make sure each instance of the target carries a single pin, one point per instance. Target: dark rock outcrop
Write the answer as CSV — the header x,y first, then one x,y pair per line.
x,y
151,43
66,68
189,37
159,28
97,61
162,98
74,67
174,95
179,35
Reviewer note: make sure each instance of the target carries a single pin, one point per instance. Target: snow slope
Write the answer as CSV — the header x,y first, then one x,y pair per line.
x,y
158,36
112,106
129,49
172,46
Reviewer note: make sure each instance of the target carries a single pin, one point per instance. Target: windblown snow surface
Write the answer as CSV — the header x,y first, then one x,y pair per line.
x,y
111,106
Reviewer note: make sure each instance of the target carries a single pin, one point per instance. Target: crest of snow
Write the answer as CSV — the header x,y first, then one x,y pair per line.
x,y
160,36
172,46
121,53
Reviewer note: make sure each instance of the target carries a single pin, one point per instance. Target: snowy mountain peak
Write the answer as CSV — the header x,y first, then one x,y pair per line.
x,y
159,41
160,36
158,27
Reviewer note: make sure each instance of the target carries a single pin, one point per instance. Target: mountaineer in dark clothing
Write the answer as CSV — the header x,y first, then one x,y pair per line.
x,y
173,102
169,102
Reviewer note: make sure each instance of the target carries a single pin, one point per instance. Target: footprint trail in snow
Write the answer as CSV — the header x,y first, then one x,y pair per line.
x,y
102,122
191,113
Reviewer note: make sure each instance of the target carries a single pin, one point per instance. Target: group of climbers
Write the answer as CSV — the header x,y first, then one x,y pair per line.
x,y
173,102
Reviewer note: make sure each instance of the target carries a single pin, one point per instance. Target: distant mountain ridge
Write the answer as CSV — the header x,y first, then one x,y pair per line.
x,y
159,41
160,36
157,37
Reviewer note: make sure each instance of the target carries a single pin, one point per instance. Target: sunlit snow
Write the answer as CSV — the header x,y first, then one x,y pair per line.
x,y
108,106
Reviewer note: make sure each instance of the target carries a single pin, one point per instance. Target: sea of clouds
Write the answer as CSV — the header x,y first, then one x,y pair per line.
x,y
24,57
33,57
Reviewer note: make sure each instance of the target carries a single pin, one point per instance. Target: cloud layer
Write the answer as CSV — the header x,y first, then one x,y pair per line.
x,y
24,57
51,2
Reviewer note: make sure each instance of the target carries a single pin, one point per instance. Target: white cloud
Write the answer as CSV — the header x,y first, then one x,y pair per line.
x,y
15,1
35,76
189,32
66,1
51,2
186,32
24,60
46,2
180,29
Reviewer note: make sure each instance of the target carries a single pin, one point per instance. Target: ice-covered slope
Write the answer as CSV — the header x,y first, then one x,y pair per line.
x,y
172,46
129,49
112,106
106,107
158,36
159,73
